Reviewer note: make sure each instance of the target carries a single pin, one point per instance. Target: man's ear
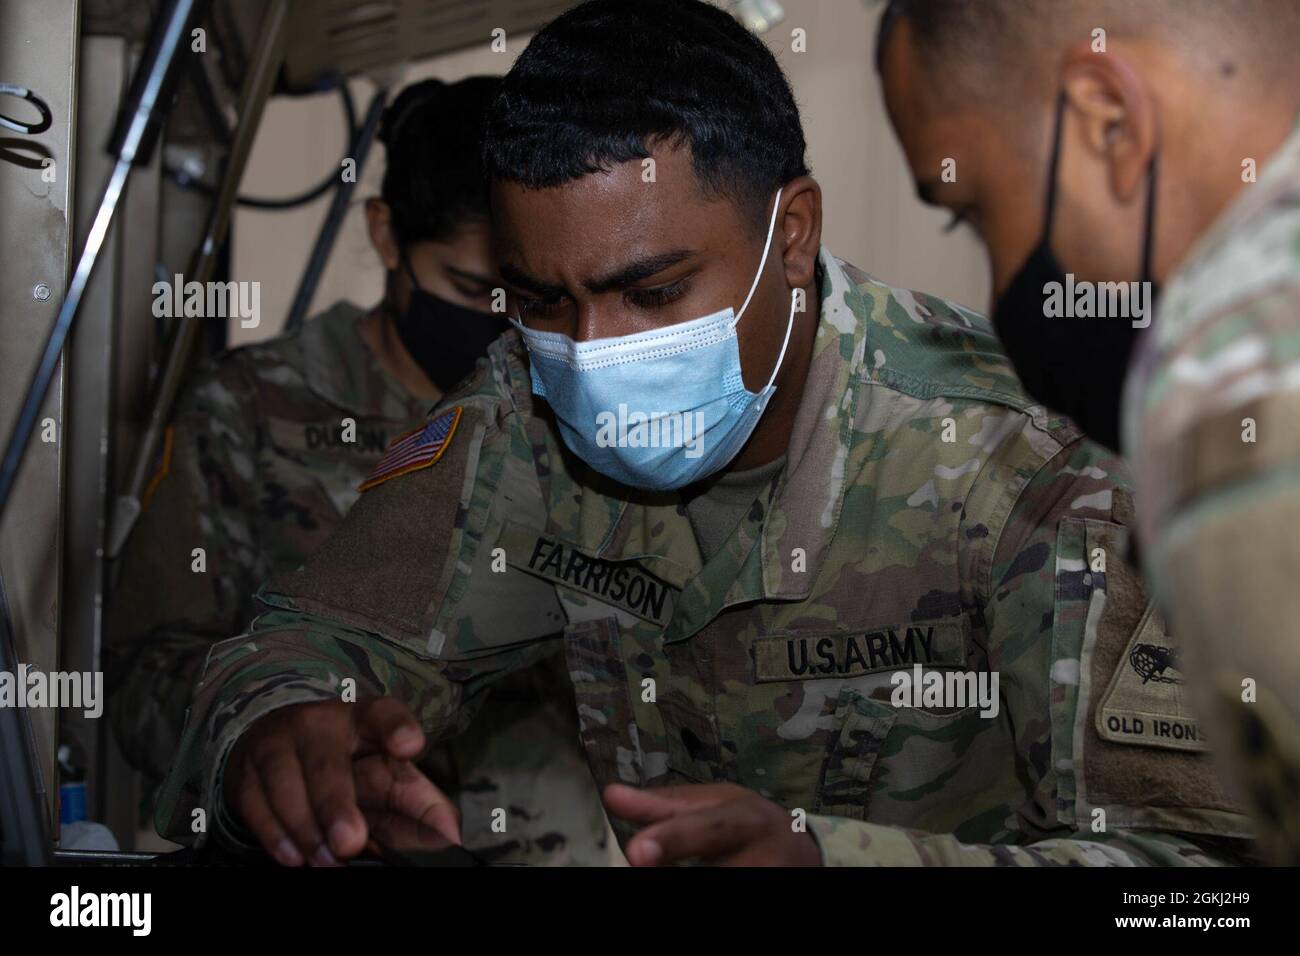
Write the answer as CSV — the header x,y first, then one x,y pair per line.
x,y
799,227
379,222
1117,114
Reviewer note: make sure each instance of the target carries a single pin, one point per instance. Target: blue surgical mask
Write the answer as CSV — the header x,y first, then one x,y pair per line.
x,y
656,410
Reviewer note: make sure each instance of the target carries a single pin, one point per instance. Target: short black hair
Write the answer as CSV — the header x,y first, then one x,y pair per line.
x,y
1004,47
433,133
607,81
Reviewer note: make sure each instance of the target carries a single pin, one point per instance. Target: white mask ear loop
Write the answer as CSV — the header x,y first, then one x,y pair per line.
x,y
789,326
767,247
794,296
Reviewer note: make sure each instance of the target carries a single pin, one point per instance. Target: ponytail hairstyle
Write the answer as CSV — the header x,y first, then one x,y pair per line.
x,y
433,135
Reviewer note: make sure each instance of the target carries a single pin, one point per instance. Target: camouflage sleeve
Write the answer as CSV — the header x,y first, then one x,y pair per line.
x,y
1219,466
168,609
404,599
1058,605
294,658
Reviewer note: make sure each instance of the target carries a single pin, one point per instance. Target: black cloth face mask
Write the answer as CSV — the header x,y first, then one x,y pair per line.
x,y
1072,365
444,338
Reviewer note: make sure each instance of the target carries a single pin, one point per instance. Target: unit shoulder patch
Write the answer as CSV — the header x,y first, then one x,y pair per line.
x,y
1145,701
419,448
162,465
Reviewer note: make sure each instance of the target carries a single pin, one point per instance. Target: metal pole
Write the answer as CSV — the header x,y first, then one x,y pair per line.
x,y
156,70
24,836
258,82
338,209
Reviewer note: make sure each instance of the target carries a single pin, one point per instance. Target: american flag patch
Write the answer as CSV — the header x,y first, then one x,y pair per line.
x,y
416,449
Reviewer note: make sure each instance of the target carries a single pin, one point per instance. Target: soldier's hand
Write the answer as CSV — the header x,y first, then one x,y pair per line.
x,y
304,778
720,823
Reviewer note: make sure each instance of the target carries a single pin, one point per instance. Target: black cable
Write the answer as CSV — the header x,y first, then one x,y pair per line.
x,y
186,181
22,92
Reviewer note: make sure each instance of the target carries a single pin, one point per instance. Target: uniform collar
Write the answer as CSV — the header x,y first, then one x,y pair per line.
x,y
810,493
340,368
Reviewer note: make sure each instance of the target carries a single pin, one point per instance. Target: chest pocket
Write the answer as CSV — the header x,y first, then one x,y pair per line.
x,y
812,721
860,731
309,471
632,730
640,724
644,722
606,722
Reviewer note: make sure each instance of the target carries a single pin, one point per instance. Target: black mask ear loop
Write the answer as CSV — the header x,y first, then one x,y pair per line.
x,y
1053,342
1133,553
1148,252
410,272
1049,214
400,316
1149,243
1153,182
390,291
1053,168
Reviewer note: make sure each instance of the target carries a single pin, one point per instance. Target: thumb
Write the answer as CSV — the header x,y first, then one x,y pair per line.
x,y
386,725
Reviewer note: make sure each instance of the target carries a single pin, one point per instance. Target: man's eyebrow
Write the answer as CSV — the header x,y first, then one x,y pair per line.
x,y
634,272
522,280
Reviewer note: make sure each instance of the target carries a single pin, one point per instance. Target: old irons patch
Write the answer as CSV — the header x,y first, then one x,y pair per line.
x,y
1146,702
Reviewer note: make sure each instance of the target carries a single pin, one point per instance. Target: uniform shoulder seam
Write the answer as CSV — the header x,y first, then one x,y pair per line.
x,y
986,573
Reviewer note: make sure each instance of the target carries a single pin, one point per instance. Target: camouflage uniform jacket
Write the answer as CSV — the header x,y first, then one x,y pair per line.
x,y
928,515
262,460
1212,413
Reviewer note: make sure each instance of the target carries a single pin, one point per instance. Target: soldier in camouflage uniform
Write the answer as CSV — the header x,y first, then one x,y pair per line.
x,y
263,458
1191,110
1212,419
901,512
